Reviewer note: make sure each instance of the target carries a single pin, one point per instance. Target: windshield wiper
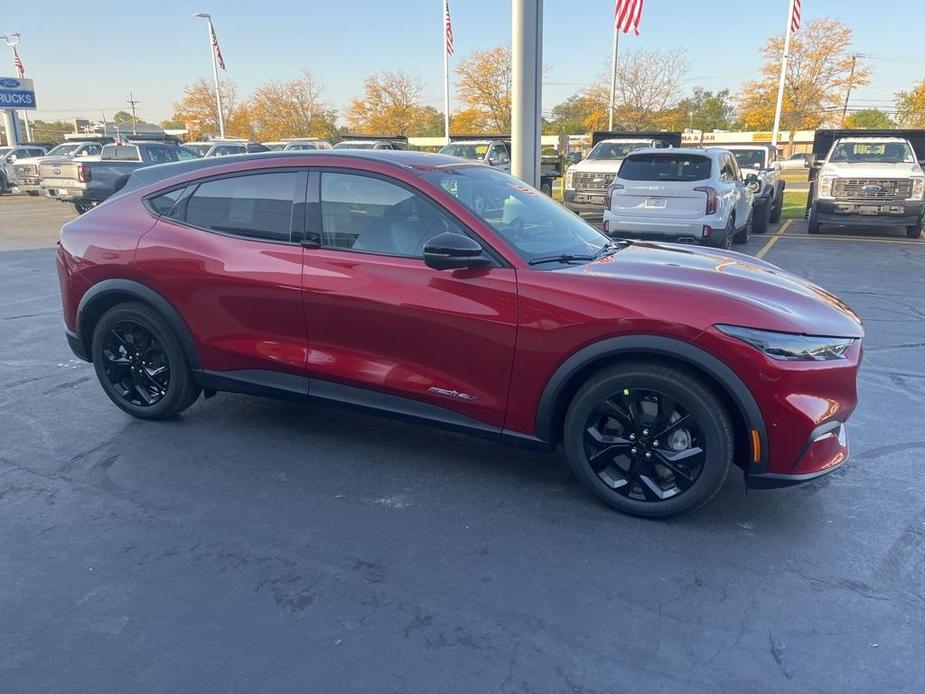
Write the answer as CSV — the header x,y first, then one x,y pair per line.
x,y
564,258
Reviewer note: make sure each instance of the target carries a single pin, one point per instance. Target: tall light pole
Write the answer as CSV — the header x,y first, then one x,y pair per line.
x,y
526,88
13,40
218,92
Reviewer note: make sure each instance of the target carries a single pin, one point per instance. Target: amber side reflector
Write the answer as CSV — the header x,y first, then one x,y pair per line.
x,y
756,446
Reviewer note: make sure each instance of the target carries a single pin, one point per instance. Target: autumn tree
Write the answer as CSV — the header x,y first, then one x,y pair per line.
x,y
910,107
819,72
199,111
470,121
648,83
577,114
484,86
293,108
391,105
869,118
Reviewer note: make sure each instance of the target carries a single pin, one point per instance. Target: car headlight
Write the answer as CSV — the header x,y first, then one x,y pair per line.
x,y
918,188
825,186
569,175
791,346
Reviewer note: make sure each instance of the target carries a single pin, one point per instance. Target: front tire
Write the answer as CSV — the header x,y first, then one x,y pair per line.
x,y
914,231
140,363
813,225
778,207
649,440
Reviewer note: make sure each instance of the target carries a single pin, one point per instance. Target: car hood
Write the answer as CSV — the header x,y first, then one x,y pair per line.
x,y
608,165
871,170
799,306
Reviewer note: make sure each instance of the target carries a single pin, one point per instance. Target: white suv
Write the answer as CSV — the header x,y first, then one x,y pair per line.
x,y
681,194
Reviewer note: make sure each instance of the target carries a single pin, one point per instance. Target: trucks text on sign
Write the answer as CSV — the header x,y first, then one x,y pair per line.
x,y
17,94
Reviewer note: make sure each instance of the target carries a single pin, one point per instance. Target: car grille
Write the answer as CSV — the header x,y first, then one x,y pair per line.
x,y
872,188
24,170
592,180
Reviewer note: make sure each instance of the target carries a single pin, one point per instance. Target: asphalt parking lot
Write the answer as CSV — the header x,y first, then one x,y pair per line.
x,y
261,546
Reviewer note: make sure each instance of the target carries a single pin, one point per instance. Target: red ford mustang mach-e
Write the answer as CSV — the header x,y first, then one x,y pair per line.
x,y
422,286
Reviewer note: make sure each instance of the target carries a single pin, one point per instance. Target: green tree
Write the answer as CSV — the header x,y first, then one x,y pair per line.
x,y
122,117
707,111
50,131
579,113
869,118
910,107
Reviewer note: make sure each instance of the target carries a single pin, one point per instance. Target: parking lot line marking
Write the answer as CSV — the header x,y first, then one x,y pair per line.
x,y
863,239
771,241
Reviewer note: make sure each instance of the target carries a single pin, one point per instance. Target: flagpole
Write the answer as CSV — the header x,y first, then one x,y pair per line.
x,y
613,74
783,77
218,92
446,74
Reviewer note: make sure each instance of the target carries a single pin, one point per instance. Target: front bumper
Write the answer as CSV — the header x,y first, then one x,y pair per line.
x,y
825,451
868,212
586,202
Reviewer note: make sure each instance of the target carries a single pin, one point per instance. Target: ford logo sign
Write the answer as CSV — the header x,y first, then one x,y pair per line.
x,y
56,171
873,189
9,83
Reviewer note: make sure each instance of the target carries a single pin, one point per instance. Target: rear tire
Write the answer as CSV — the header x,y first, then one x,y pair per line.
x,y
746,233
724,238
140,363
82,207
610,444
546,188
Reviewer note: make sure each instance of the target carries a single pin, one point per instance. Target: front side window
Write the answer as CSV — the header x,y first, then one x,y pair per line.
x,y
256,205
665,166
363,213
532,224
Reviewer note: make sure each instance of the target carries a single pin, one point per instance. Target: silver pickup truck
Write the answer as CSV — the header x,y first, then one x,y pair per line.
x,y
85,184
25,174
8,158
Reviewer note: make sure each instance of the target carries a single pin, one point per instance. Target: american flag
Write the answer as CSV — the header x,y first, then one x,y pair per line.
x,y
449,28
218,51
795,17
20,70
627,15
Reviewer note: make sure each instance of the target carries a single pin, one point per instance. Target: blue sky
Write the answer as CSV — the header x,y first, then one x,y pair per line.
x,y
88,56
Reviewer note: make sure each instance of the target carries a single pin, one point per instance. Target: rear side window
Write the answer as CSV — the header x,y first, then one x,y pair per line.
x,y
257,205
665,167
120,153
164,203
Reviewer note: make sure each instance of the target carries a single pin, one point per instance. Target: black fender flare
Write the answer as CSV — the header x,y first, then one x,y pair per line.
x,y
657,346
146,295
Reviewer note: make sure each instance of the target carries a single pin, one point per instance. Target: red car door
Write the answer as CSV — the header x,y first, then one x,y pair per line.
x,y
381,323
223,254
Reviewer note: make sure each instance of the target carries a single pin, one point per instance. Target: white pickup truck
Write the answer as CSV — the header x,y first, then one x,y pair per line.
x,y
586,182
870,179
26,171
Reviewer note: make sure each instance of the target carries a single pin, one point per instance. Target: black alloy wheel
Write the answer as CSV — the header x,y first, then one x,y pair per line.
x,y
140,362
644,445
649,439
135,364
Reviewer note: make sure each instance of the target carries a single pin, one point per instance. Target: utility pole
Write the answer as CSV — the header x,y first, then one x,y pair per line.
x,y
844,111
613,75
132,102
783,76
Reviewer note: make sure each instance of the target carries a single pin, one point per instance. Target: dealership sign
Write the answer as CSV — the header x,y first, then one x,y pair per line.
x,y
16,93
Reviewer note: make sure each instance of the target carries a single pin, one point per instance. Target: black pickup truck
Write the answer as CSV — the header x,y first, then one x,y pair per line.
x,y
86,184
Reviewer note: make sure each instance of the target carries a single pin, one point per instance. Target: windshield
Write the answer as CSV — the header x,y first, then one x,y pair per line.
x,y
355,145
665,167
873,152
749,158
475,152
531,223
63,150
615,150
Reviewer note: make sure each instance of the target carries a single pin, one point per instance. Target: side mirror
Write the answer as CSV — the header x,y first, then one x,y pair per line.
x,y
751,182
449,251
10,159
